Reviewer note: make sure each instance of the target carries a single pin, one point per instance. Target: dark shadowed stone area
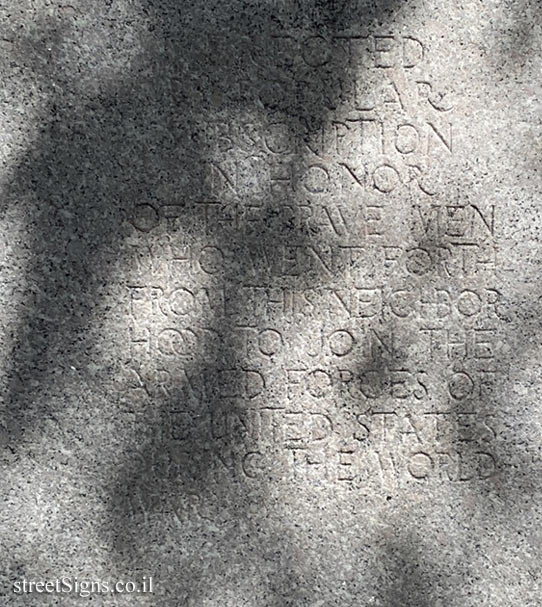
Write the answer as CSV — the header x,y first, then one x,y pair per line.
x,y
271,289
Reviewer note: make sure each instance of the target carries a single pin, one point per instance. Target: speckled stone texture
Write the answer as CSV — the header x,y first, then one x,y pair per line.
x,y
270,302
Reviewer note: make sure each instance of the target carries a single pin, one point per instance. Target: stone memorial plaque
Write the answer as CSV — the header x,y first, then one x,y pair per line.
x,y
271,296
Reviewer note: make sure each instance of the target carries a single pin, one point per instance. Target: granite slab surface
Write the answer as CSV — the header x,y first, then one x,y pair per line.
x,y
270,303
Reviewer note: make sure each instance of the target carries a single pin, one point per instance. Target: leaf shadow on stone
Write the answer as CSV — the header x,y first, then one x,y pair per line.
x,y
79,165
